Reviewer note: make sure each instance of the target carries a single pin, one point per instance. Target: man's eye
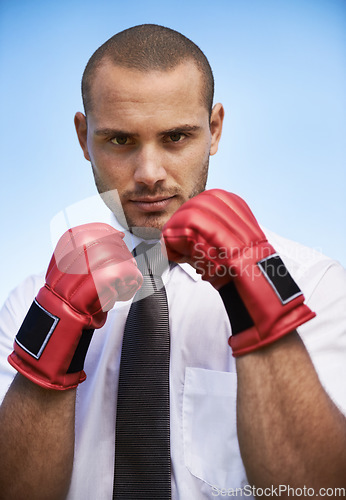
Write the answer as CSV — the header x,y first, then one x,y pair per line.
x,y
175,137
120,140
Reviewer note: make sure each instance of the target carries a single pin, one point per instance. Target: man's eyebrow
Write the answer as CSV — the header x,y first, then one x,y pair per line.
x,y
111,132
182,128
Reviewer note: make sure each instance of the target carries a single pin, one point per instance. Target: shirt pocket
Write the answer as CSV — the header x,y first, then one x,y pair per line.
x,y
211,450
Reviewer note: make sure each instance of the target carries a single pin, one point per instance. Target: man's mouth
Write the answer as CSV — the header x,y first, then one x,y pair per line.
x,y
152,204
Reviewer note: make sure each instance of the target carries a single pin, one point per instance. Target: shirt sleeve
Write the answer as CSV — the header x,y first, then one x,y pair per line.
x,y
325,335
11,317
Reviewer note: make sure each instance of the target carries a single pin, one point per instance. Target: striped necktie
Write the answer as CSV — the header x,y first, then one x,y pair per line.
x,y
142,442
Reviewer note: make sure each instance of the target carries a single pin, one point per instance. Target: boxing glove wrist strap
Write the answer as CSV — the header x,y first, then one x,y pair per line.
x,y
49,350
263,303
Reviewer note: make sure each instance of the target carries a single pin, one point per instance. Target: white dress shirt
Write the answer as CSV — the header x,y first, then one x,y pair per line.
x,y
206,459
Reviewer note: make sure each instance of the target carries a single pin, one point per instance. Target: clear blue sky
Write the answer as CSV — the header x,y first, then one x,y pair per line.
x,y
280,70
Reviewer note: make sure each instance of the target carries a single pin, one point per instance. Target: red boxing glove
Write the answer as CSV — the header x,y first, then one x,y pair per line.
x,y
217,233
90,270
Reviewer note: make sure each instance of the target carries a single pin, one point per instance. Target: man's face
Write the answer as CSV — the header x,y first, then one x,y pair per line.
x,y
149,137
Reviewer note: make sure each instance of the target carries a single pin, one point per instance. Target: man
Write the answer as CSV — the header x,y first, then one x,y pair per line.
x,y
148,130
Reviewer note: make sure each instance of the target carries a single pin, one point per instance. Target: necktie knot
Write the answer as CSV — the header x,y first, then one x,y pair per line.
x,y
151,258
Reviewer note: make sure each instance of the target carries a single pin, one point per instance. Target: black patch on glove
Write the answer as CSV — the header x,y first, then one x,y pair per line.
x,y
279,278
36,330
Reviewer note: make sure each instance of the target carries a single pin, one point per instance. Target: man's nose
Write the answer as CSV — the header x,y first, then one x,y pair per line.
x,y
149,167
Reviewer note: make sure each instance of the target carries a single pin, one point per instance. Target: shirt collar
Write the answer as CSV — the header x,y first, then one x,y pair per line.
x,y
132,241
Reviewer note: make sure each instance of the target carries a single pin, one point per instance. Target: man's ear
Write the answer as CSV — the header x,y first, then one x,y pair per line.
x,y
216,121
81,128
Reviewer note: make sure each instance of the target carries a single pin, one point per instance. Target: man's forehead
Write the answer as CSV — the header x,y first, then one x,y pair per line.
x,y
111,78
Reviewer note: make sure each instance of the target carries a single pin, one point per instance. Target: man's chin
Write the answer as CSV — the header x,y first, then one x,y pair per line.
x,y
147,233
148,227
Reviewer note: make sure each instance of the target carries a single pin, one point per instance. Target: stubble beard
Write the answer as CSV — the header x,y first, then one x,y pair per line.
x,y
152,225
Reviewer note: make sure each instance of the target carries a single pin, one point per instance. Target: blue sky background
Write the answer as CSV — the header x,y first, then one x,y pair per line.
x,y
280,70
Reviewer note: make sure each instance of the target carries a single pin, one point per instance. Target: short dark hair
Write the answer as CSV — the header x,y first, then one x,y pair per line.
x,y
149,47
